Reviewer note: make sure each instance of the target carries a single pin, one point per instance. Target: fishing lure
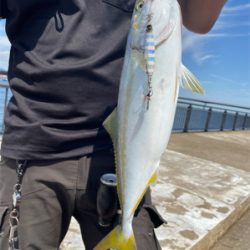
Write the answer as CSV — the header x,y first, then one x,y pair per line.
x,y
149,54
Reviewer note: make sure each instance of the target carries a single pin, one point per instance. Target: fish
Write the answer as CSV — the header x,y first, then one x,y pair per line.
x,y
141,124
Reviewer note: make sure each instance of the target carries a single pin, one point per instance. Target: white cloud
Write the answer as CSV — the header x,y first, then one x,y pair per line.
x,y
233,9
223,25
203,58
195,45
191,41
222,35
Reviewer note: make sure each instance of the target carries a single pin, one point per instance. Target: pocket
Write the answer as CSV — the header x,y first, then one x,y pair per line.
x,y
122,4
8,178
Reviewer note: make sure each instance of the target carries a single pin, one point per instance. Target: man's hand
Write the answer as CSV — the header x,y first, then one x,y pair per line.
x,y
200,15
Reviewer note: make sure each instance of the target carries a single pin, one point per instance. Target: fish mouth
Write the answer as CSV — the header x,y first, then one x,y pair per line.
x,y
160,24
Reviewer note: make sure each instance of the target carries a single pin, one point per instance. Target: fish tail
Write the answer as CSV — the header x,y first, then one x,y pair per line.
x,y
117,240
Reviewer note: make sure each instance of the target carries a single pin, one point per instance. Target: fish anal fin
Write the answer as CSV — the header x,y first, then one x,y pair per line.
x,y
189,81
152,180
117,240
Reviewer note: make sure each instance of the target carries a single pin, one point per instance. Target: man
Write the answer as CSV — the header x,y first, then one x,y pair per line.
x,y
64,69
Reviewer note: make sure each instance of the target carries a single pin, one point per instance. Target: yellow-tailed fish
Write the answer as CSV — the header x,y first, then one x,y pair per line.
x,y
141,124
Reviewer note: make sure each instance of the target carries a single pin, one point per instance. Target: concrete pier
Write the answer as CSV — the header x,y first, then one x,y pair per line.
x,y
203,189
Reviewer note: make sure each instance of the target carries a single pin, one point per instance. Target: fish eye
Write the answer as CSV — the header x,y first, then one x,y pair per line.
x,y
149,28
139,5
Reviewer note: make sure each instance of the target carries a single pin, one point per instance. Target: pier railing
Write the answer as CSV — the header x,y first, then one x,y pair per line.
x,y
191,115
197,115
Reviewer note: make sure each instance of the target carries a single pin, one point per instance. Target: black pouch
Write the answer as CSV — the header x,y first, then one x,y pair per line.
x,y
145,221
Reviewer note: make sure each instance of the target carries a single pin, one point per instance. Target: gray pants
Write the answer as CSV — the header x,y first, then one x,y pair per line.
x,y
53,191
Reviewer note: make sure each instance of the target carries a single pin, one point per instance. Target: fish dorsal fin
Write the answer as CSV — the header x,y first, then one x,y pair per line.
x,y
189,81
110,125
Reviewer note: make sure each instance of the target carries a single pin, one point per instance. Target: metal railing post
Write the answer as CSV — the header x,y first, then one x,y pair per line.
x,y
188,115
235,120
244,122
209,114
224,117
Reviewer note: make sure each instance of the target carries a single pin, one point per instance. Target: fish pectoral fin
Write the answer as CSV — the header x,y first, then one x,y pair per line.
x,y
164,35
110,125
189,81
117,240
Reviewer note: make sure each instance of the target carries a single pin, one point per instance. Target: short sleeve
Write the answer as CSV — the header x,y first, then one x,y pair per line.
x,y
3,9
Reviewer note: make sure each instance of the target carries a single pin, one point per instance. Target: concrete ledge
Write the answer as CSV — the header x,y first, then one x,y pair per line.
x,y
200,199
213,235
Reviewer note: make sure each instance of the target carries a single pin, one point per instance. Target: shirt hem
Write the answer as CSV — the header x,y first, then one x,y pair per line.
x,y
22,154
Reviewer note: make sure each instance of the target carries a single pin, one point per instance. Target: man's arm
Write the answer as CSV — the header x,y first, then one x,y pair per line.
x,y
200,15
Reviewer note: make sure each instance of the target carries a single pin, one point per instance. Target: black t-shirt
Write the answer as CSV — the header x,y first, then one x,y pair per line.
x,y
64,69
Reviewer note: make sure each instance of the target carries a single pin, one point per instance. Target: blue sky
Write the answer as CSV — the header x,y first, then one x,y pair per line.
x,y
219,59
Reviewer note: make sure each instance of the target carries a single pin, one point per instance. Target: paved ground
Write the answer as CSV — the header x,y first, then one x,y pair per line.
x,y
204,187
229,148
237,237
